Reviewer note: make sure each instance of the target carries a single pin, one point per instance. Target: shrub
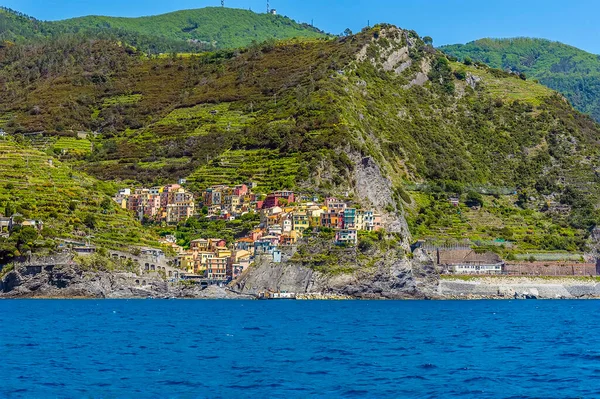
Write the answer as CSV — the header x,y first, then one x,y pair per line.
x,y
474,199
365,244
460,74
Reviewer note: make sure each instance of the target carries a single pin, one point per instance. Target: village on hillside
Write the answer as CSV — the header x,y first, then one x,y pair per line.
x,y
284,217
279,220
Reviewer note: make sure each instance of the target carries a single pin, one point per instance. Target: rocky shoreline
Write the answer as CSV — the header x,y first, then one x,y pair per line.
x,y
391,279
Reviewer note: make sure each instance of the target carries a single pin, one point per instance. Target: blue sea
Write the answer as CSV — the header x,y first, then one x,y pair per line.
x,y
299,349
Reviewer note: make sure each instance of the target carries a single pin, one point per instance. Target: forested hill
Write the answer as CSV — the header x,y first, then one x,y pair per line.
x,y
569,70
187,30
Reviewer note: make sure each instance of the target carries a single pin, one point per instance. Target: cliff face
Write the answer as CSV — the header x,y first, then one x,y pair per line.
x,y
70,281
390,276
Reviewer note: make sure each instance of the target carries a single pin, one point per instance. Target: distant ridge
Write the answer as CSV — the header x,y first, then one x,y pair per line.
x,y
573,72
186,30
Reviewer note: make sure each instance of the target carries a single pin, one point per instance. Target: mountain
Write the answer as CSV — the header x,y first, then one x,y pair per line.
x,y
381,118
188,30
566,69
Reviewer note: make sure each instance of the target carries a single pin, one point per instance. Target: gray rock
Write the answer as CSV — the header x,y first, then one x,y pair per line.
x,y
472,80
70,281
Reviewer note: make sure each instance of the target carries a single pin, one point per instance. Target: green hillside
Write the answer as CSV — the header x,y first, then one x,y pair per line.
x,y
302,115
15,26
566,69
223,27
69,203
182,31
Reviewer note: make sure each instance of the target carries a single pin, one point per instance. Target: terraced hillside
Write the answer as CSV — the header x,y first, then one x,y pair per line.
x,y
338,116
69,203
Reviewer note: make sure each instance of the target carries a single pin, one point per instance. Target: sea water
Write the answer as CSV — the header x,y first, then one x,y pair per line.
x,y
299,349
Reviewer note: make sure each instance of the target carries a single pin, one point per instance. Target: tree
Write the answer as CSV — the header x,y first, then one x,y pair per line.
x,y
365,244
468,61
90,220
24,237
9,209
282,202
428,40
474,199
106,204
347,32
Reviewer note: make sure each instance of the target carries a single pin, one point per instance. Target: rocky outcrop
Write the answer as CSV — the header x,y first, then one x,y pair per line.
x,y
70,281
392,277
373,188
472,80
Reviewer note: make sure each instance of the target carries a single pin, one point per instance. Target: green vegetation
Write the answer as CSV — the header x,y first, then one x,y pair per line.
x,y
569,70
267,168
102,262
69,203
298,114
181,31
500,222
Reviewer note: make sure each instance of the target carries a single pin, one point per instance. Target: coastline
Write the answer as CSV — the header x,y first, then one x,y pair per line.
x,y
449,288
517,287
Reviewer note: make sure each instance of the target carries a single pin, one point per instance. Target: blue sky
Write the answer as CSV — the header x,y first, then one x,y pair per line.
x,y
447,21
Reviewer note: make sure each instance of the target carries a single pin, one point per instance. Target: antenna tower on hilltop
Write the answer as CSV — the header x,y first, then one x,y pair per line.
x,y
222,3
268,8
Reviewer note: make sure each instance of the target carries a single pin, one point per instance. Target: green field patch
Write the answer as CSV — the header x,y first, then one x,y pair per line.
x,y
500,222
200,119
508,89
70,144
126,99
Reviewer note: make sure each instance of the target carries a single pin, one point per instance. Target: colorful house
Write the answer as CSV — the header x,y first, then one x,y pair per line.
x,y
346,236
301,222
274,199
216,269
350,221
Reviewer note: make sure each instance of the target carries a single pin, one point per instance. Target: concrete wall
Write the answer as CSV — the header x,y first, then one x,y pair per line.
x,y
550,269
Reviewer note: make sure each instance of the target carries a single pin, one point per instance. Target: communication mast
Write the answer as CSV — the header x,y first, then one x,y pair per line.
x,y
222,3
268,8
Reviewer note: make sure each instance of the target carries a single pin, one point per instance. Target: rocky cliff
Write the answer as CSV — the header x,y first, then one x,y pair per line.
x,y
376,276
71,281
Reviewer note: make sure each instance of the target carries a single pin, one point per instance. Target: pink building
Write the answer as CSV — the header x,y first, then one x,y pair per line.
x,y
241,190
274,198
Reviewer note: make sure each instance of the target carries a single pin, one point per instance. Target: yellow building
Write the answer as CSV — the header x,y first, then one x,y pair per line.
x,y
301,222
199,245
201,261
223,252
186,262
